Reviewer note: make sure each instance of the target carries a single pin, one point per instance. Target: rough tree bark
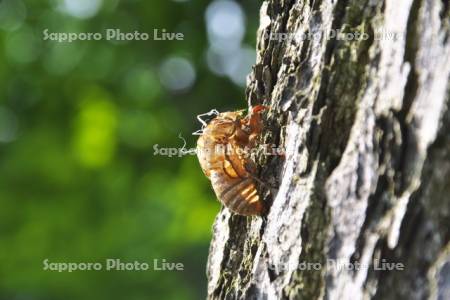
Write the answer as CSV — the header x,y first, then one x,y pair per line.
x,y
366,176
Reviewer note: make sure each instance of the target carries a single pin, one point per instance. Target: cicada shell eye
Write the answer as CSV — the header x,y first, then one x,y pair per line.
x,y
221,130
223,126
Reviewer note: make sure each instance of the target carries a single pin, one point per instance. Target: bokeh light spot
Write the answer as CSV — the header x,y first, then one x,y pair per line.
x,y
177,74
226,56
240,65
62,58
236,66
225,22
23,46
82,9
95,130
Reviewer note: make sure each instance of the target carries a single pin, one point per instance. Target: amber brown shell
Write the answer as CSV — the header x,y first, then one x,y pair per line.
x,y
221,153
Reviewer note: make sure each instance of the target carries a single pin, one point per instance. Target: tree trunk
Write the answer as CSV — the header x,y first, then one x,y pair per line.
x,y
365,179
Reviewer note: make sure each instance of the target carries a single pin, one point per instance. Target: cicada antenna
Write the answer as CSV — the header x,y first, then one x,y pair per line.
x,y
212,112
183,149
198,132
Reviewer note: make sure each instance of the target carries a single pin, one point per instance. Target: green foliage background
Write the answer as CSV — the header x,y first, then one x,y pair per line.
x,y
78,178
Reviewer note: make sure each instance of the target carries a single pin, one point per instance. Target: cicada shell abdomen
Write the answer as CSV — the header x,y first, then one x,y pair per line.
x,y
237,194
219,150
